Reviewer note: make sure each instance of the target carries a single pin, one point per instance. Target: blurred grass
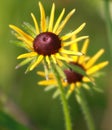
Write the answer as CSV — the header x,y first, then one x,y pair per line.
x,y
6,120
44,112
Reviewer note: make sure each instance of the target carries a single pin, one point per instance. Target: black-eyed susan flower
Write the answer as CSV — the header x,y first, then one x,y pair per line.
x,y
45,41
85,63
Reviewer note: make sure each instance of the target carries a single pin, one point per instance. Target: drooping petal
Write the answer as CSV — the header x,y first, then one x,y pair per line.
x,y
35,23
97,67
51,20
64,22
58,21
39,59
69,35
43,18
27,55
94,58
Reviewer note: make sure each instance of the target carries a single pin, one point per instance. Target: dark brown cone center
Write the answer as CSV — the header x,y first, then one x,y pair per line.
x,y
47,43
72,76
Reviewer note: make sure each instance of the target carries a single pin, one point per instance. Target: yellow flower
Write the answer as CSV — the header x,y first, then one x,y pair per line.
x,y
44,41
85,63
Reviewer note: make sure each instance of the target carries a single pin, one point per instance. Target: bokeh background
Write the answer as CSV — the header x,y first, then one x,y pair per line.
x,y
21,98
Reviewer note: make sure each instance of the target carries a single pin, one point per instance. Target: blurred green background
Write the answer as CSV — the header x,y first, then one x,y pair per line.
x,y
20,96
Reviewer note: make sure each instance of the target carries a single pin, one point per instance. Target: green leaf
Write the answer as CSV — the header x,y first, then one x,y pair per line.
x,y
76,68
8,123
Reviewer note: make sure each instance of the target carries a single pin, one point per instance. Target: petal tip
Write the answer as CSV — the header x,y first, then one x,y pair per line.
x,y
19,57
73,11
40,4
11,26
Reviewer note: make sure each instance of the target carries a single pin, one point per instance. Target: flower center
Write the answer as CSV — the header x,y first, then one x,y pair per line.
x,y
47,43
72,76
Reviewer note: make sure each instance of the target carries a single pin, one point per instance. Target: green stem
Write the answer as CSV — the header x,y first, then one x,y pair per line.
x,y
82,102
63,99
108,23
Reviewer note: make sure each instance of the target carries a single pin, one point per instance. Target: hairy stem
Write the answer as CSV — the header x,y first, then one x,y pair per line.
x,y
83,104
63,99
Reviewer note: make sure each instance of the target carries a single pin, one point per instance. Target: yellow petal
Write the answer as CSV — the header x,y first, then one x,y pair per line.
x,y
84,50
43,19
71,89
27,55
78,84
47,59
43,74
35,23
58,21
74,47
94,58
74,41
39,59
28,44
72,86
65,57
80,28
86,79
67,36
47,82
54,59
71,52
23,34
51,18
97,67
65,21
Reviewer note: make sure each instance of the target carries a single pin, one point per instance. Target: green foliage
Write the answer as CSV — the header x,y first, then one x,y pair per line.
x,y
8,123
45,112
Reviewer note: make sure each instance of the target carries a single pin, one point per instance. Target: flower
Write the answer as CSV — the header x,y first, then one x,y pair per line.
x,y
45,42
86,64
